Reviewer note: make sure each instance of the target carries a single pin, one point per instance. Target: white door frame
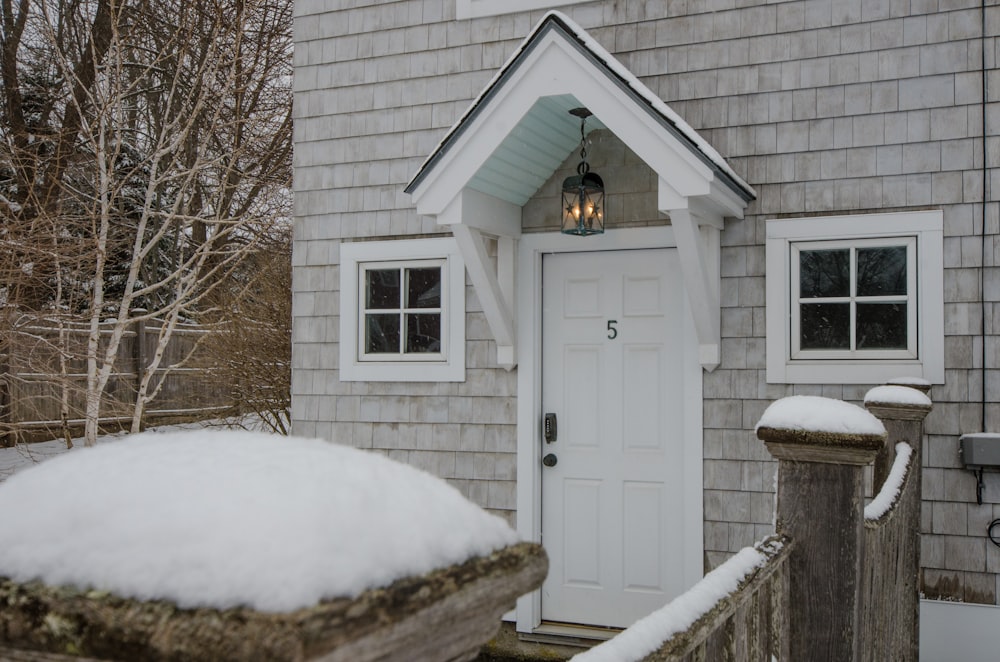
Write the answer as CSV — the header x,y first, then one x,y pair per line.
x,y
529,383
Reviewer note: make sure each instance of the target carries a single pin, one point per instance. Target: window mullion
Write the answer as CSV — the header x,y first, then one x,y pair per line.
x,y
404,303
853,275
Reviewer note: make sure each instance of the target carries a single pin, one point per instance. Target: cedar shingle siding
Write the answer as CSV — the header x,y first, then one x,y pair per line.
x,y
823,106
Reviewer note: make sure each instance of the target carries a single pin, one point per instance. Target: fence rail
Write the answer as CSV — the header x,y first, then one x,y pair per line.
x,y
842,585
43,377
746,624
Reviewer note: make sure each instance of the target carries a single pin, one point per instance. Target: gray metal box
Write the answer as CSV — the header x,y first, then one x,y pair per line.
x,y
981,449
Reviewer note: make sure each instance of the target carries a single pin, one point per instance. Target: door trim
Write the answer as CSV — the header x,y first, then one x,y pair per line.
x,y
529,383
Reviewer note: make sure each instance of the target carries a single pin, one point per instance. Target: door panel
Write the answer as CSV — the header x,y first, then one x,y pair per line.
x,y
612,505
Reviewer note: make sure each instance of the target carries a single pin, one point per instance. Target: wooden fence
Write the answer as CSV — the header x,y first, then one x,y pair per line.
x,y
840,581
43,377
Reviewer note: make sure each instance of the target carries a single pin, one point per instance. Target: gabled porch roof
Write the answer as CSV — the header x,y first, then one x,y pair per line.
x,y
542,138
519,131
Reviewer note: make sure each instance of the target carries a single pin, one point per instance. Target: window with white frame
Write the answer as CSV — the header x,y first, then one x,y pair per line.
x,y
476,8
402,312
855,299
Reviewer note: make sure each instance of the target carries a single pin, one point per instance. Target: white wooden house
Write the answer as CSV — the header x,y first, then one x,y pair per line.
x,y
793,204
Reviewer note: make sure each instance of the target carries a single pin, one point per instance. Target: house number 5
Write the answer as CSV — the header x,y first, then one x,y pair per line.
x,y
612,329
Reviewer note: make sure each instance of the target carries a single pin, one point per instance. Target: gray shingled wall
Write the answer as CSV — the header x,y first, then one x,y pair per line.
x,y
824,106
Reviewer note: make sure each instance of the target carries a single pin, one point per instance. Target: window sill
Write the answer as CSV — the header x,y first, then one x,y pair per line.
x,y
851,372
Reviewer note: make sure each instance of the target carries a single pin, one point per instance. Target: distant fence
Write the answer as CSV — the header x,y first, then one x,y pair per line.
x,y
839,581
43,377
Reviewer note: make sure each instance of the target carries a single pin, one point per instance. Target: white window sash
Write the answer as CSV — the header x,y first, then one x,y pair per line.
x,y
402,311
852,299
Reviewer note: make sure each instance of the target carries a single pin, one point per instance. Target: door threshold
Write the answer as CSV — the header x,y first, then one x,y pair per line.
x,y
569,634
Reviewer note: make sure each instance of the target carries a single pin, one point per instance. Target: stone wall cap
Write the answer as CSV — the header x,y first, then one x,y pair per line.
x,y
810,413
824,447
897,395
401,617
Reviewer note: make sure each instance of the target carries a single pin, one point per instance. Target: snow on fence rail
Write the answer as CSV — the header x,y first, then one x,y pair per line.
x,y
764,603
734,613
43,377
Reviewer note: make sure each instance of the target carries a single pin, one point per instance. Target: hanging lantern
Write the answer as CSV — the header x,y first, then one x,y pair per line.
x,y
583,194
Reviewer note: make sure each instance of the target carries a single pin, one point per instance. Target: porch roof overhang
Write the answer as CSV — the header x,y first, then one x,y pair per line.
x,y
519,131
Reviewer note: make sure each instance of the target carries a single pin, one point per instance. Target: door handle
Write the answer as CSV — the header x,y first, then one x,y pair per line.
x,y
550,460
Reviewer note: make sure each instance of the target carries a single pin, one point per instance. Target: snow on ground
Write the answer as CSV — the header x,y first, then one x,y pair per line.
x,y
225,518
23,456
648,633
812,412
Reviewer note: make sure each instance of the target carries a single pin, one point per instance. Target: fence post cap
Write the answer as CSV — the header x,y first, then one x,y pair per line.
x,y
898,402
817,429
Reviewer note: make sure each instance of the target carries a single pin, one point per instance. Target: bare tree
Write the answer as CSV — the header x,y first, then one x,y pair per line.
x,y
252,348
169,161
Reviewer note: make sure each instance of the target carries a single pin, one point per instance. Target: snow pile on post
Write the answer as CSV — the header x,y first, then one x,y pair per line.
x,y
898,395
818,414
229,518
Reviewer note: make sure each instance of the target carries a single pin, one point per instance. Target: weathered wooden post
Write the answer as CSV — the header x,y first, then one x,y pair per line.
x,y
891,582
822,447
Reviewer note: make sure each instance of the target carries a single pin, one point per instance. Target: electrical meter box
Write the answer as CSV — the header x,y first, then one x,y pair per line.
x,y
981,449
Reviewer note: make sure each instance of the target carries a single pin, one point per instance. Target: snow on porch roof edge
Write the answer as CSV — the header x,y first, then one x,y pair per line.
x,y
627,81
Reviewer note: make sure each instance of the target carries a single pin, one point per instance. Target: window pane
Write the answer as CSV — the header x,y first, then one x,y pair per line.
x,y
825,273
881,326
881,271
825,326
382,333
423,288
423,333
382,288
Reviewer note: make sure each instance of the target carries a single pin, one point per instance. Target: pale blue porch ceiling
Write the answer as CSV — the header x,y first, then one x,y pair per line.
x,y
533,150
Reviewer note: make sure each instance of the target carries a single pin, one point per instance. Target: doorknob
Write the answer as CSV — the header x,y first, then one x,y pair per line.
x,y
550,460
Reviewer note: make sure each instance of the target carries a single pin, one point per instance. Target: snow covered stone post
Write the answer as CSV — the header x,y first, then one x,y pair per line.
x,y
822,447
241,546
891,581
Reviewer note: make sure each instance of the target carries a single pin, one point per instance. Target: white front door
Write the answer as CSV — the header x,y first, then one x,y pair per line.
x,y
612,505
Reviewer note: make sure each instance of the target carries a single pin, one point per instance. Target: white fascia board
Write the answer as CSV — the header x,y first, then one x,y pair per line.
x,y
484,212
557,67
726,200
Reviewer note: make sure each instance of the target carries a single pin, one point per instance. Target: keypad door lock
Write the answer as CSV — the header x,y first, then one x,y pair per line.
x,y
550,428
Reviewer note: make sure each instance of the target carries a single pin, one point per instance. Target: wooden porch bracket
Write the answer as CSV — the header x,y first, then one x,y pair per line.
x,y
698,250
495,288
